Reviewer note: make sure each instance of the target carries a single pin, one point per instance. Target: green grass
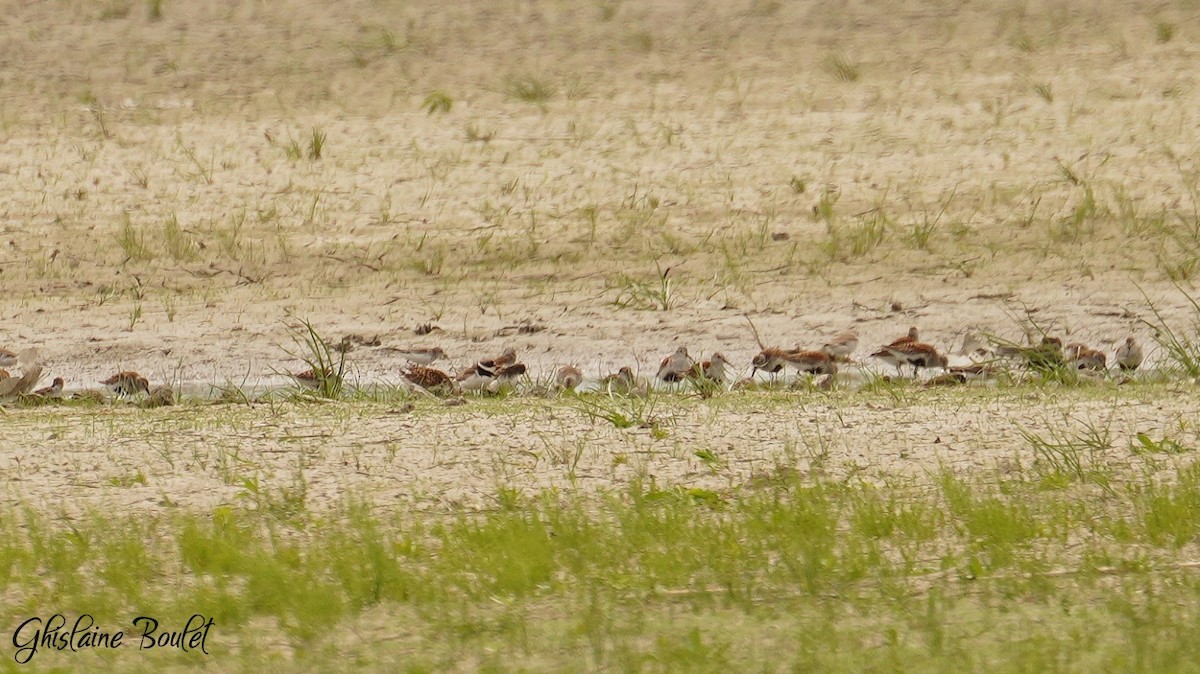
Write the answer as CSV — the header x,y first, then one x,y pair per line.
x,y
133,242
1180,345
1164,31
327,363
316,143
787,572
530,88
656,295
437,101
841,68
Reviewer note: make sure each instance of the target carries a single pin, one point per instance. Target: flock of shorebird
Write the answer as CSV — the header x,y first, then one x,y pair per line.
x,y
123,384
493,374
501,372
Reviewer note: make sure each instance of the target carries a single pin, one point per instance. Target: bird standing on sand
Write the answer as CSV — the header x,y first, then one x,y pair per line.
x,y
676,366
840,348
1129,354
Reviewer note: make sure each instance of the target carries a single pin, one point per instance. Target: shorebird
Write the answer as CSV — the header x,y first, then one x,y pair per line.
x,y
712,369
510,371
840,348
917,354
1047,355
676,366
161,396
1129,354
483,372
491,375
621,382
974,346
811,362
473,379
54,390
1044,356
494,365
421,356
4,374
769,360
310,378
1083,357
15,386
483,379
947,379
568,377
429,379
8,358
974,370
913,335
130,383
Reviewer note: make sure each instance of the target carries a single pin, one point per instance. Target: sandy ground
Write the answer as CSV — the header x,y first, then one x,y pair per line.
x,y
448,458
814,165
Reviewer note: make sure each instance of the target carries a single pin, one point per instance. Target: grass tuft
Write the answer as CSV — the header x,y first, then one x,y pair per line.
x,y
658,295
316,143
437,102
530,89
842,68
622,410
133,242
328,364
1180,347
1164,31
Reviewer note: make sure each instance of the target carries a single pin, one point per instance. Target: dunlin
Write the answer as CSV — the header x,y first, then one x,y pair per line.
x,y
1082,357
568,377
811,362
494,365
676,366
975,347
974,370
54,390
161,396
840,348
769,360
622,381
130,383
15,386
7,358
947,379
1129,354
917,354
310,378
888,356
421,356
1046,355
506,376
913,335
712,369
510,371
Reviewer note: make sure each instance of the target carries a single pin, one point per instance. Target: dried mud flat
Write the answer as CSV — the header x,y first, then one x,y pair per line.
x,y
816,166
